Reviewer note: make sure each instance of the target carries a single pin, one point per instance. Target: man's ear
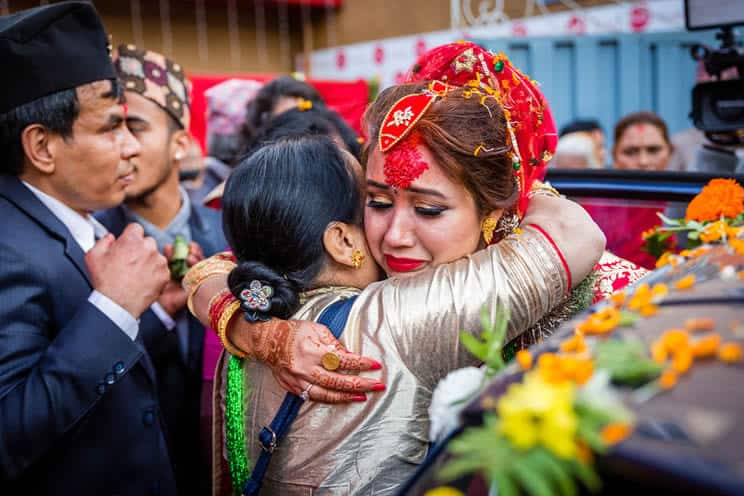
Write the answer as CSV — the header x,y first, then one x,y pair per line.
x,y
39,145
181,141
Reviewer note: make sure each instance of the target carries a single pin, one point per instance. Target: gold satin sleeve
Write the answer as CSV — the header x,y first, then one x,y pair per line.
x,y
425,312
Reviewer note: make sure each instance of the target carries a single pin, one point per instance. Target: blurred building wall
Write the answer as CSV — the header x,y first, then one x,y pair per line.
x,y
356,21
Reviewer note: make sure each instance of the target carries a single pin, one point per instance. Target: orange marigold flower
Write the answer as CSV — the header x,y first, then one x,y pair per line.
x,y
702,324
575,343
706,347
641,296
730,353
719,198
659,352
547,361
667,258
618,298
668,379
737,245
583,371
648,310
616,432
524,359
602,322
675,339
682,360
659,291
686,282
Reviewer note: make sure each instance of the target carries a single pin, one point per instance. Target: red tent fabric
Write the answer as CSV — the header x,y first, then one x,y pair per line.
x,y
347,98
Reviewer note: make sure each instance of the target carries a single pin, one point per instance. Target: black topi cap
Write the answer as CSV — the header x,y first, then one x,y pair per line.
x,y
49,49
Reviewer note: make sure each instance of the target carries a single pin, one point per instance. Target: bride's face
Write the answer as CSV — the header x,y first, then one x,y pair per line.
x,y
434,221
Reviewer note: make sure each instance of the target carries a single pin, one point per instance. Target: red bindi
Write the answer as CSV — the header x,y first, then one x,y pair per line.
x,y
404,162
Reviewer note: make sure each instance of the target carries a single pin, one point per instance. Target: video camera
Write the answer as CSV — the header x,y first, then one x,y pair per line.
x,y
718,106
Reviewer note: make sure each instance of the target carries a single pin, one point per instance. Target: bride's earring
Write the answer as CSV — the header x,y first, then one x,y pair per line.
x,y
487,227
508,223
357,258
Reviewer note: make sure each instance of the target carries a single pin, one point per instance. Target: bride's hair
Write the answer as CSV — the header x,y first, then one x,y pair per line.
x,y
276,207
466,132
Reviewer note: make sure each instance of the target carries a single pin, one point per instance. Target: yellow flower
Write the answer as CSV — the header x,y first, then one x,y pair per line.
x,y
444,491
538,412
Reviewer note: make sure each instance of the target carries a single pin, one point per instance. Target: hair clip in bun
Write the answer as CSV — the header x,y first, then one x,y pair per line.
x,y
256,301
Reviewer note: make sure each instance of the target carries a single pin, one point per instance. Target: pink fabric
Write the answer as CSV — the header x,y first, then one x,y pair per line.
x,y
623,226
226,105
211,353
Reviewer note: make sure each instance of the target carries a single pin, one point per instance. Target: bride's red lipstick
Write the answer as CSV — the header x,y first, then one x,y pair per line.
x,y
403,264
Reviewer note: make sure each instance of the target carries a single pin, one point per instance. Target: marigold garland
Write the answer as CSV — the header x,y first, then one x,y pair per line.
x,y
719,198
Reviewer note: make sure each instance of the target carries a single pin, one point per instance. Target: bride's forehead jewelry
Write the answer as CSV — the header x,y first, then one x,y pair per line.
x,y
531,130
404,162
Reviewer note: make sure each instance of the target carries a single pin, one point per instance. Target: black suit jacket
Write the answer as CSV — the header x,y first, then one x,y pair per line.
x,y
179,380
78,402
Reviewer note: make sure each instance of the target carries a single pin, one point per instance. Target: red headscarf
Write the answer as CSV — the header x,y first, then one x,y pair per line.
x,y
530,121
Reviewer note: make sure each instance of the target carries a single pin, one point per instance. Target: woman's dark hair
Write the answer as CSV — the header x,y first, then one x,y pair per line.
x,y
313,122
453,128
276,207
259,110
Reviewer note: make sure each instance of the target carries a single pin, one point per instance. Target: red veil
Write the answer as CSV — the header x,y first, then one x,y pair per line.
x,y
530,121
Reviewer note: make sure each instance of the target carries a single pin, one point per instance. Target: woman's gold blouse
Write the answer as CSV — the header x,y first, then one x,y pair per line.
x,y
411,326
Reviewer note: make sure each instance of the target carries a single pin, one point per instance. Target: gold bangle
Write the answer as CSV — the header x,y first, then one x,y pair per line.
x,y
227,314
200,272
540,188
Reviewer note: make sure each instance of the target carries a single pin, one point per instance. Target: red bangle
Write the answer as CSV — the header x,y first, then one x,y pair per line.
x,y
217,305
555,247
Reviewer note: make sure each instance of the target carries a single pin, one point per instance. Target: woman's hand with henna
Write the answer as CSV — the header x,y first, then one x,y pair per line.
x,y
294,350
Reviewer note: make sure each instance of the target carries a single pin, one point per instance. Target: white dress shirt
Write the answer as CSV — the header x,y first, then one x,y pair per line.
x,y
83,230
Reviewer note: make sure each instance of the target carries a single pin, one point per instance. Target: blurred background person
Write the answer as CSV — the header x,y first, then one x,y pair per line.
x,y
641,142
191,166
277,96
226,113
576,151
592,129
294,123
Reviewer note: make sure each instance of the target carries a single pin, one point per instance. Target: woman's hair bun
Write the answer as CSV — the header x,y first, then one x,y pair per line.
x,y
285,294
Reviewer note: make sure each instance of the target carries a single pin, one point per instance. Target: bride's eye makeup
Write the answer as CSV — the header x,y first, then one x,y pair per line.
x,y
429,210
378,202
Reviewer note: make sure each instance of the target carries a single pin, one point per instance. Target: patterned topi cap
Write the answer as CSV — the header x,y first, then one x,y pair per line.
x,y
157,78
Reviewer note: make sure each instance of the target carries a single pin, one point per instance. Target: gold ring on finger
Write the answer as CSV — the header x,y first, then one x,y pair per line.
x,y
330,361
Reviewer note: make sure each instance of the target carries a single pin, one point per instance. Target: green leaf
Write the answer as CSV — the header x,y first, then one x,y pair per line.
x,y
476,347
505,484
458,467
558,472
533,482
586,475
668,221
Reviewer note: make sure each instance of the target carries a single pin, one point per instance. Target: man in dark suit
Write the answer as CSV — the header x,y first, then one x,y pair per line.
x,y
158,108
79,411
